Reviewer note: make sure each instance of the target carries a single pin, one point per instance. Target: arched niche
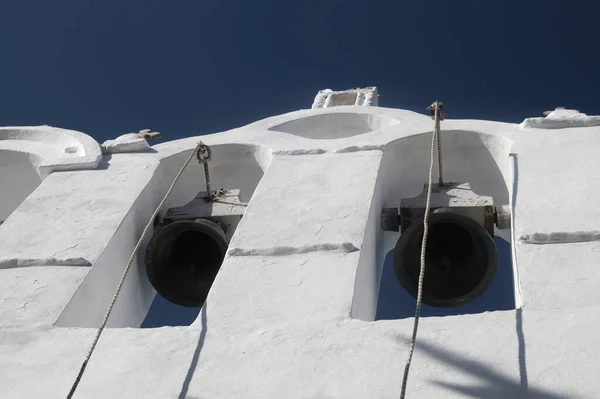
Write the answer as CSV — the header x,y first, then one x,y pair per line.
x,y
233,166
477,158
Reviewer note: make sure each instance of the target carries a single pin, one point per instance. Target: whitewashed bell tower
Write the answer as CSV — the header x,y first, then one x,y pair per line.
x,y
303,297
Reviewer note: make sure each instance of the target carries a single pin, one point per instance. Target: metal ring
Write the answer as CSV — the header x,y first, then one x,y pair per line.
x,y
204,153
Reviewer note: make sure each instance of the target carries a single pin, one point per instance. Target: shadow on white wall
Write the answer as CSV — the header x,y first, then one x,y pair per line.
x,y
18,178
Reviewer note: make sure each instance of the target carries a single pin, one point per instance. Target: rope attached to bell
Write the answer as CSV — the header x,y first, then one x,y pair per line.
x,y
437,113
203,153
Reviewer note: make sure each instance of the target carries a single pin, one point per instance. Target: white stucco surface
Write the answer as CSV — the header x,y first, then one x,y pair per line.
x,y
29,154
560,119
291,312
129,142
52,148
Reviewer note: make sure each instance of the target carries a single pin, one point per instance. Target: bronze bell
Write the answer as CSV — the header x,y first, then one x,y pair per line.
x,y
183,259
460,259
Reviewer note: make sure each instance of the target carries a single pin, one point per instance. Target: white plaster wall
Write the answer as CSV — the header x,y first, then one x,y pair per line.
x,y
37,295
30,154
113,225
18,179
287,314
307,204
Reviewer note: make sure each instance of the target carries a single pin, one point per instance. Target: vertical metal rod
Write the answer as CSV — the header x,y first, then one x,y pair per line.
x,y
204,154
439,144
207,178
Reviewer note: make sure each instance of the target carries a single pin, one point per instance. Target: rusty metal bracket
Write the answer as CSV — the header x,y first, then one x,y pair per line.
x,y
450,197
225,209
204,154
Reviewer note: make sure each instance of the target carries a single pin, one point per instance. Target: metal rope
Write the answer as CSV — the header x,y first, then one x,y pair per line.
x,y
129,263
435,107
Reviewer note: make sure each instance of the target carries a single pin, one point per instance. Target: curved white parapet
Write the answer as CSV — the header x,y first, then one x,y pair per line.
x,y
52,149
336,125
29,154
561,119
237,166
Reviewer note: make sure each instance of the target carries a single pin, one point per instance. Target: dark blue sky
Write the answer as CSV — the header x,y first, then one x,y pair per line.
x,y
191,67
